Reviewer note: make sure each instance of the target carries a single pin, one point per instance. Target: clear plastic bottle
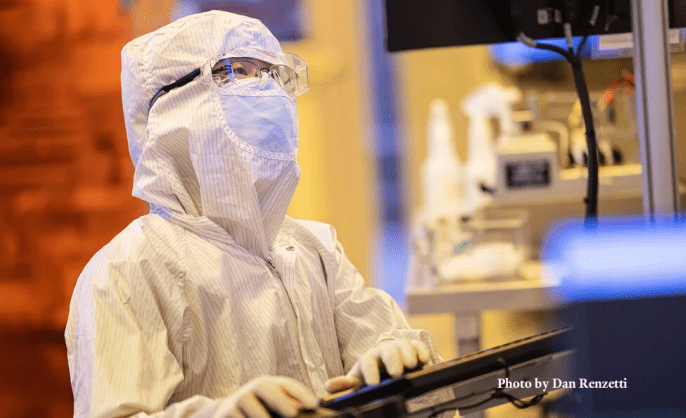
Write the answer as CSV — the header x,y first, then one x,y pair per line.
x,y
442,170
443,186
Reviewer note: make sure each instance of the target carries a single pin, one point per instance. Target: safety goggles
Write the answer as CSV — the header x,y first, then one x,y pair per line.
x,y
287,69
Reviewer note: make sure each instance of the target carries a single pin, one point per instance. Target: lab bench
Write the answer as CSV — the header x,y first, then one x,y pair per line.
x,y
467,300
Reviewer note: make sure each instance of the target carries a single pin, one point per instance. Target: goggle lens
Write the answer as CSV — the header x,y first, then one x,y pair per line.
x,y
245,69
229,69
293,81
286,77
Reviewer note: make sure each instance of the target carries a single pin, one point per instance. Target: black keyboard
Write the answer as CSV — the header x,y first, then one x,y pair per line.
x,y
416,383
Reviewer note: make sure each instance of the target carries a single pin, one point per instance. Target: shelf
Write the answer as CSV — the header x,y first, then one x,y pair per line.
x,y
529,293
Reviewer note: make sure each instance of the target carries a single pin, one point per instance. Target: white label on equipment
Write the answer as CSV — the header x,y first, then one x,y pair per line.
x,y
626,40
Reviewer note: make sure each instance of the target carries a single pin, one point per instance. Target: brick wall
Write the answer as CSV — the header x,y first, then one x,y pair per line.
x,y
65,182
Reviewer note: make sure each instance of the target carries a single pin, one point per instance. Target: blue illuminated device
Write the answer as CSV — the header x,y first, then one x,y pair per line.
x,y
619,258
625,284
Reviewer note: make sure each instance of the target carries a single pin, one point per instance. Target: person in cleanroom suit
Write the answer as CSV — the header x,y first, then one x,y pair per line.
x,y
216,303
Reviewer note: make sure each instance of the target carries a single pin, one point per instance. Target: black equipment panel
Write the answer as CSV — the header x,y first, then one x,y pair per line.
x,y
413,24
416,383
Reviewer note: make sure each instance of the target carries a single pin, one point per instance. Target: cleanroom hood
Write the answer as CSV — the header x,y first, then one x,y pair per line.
x,y
195,159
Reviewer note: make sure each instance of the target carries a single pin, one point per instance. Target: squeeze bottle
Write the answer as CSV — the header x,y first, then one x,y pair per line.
x,y
442,170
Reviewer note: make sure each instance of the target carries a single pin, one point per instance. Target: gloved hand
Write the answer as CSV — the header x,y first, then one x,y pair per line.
x,y
395,356
280,394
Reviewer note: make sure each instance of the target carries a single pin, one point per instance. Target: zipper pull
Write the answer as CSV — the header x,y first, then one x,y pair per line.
x,y
273,269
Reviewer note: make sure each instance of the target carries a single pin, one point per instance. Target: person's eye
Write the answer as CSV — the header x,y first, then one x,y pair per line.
x,y
240,71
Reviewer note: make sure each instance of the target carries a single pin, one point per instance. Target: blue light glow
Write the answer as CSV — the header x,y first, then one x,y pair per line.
x,y
517,54
620,258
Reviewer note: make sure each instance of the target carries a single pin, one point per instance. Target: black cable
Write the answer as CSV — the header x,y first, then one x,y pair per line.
x,y
520,404
587,29
554,48
498,393
178,83
591,200
581,46
591,145
452,408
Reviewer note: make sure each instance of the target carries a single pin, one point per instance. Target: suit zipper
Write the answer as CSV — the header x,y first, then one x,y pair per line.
x,y
272,268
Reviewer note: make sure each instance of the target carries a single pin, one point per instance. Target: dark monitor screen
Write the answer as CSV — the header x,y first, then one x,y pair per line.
x,y
414,24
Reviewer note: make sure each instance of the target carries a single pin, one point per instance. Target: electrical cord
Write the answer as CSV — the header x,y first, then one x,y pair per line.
x,y
587,28
498,393
574,60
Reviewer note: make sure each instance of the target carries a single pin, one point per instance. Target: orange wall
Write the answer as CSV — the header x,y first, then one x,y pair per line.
x,y
65,182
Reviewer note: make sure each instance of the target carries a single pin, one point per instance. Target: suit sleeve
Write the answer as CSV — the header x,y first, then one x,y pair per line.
x,y
366,317
118,344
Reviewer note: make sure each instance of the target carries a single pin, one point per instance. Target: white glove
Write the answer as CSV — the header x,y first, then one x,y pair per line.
x,y
395,356
280,394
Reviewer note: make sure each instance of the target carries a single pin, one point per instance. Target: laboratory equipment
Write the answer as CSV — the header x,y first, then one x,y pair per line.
x,y
489,101
413,25
478,379
622,258
438,23
517,56
618,327
545,160
511,167
624,283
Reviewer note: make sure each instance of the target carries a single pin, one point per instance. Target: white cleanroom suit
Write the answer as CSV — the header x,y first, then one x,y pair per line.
x,y
216,286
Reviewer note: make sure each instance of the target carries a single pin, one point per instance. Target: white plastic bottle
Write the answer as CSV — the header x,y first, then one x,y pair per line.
x,y
442,170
